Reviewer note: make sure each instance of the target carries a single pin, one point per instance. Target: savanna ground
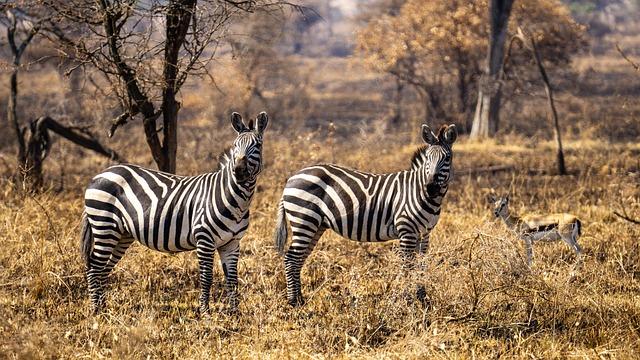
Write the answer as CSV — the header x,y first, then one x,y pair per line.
x,y
483,299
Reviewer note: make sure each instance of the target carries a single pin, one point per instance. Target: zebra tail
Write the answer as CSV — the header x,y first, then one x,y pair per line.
x,y
281,233
579,225
86,238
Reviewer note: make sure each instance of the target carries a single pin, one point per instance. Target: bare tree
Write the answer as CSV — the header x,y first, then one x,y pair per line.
x,y
486,118
34,142
18,47
529,43
146,50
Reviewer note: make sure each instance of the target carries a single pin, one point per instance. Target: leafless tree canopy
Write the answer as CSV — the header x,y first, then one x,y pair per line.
x,y
142,52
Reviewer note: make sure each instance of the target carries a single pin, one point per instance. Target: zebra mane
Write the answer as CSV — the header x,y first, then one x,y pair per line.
x,y
224,157
417,159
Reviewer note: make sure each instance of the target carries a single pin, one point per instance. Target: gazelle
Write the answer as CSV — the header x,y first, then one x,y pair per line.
x,y
531,227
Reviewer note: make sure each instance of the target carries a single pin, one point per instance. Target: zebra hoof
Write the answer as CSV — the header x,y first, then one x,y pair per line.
x,y
233,308
297,301
421,295
204,313
98,308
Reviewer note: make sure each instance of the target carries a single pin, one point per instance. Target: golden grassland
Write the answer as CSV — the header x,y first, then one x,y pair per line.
x,y
483,299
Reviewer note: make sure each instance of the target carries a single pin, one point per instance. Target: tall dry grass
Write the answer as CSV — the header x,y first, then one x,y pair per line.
x,y
483,301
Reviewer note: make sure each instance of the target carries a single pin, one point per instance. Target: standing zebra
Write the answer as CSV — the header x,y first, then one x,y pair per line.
x,y
365,207
173,213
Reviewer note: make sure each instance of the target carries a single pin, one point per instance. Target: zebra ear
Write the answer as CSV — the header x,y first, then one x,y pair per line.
x,y
262,120
428,136
236,122
491,198
449,134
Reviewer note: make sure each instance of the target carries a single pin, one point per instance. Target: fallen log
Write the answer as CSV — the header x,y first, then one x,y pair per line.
x,y
38,145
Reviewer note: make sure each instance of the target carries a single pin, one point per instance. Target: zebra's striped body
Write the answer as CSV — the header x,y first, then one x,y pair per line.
x,y
173,213
364,207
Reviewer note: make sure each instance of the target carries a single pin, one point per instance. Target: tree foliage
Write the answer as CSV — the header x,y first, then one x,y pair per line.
x,y
432,44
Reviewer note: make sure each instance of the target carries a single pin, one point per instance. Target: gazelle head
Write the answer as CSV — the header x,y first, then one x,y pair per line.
x,y
246,151
437,157
500,206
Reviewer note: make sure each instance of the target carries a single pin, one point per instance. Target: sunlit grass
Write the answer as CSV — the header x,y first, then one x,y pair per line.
x,y
359,305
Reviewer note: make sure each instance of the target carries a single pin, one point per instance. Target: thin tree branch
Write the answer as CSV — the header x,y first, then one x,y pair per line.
x,y
625,217
634,64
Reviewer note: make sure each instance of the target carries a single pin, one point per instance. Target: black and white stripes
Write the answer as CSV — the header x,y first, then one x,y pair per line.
x,y
173,213
365,207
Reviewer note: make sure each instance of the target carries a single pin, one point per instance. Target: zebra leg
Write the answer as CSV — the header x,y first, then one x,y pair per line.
x,y
301,246
229,254
116,255
422,248
408,246
204,251
103,247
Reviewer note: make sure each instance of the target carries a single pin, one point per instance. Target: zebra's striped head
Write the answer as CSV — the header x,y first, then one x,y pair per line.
x,y
436,157
245,156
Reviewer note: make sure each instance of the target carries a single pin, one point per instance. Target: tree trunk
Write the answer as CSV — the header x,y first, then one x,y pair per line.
x,y
17,49
397,115
436,112
38,145
463,91
562,170
12,116
178,19
486,118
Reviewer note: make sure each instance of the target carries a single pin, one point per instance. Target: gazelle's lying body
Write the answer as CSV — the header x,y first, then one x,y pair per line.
x,y
551,227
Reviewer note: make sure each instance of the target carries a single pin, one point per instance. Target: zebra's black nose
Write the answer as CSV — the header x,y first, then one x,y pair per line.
x,y
241,170
241,173
433,189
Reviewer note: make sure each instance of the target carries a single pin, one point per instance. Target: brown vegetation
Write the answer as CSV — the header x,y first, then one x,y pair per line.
x,y
483,299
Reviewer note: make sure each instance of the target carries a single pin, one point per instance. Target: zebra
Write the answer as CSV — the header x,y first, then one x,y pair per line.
x,y
365,207
533,227
172,213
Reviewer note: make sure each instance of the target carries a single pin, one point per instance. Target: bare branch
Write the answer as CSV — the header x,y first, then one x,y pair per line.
x,y
119,121
626,217
634,64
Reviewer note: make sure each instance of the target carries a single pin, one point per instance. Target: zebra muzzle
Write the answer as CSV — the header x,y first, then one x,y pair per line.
x,y
433,189
241,171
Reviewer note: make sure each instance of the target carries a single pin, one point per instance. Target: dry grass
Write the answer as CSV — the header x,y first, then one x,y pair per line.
x,y
484,301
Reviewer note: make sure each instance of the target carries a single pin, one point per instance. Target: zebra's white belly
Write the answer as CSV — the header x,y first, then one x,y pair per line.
x,y
367,233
